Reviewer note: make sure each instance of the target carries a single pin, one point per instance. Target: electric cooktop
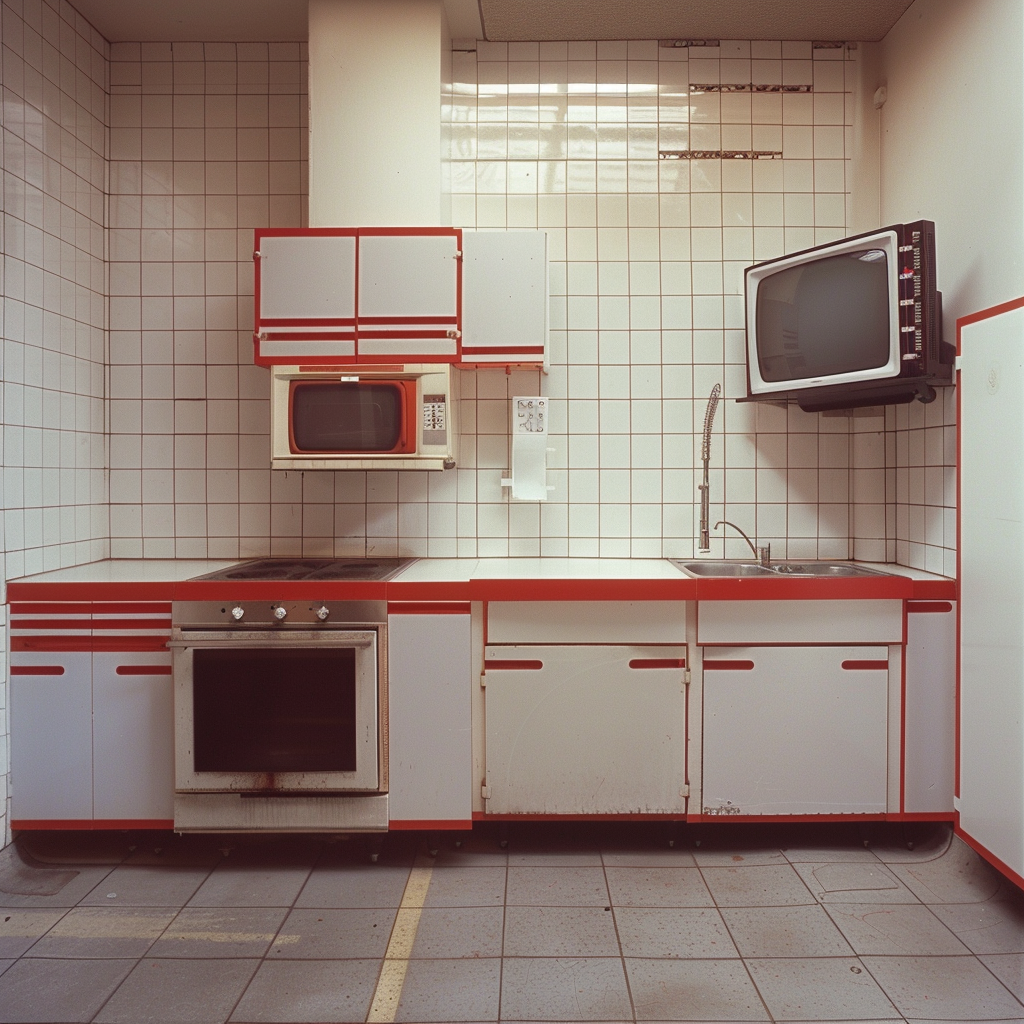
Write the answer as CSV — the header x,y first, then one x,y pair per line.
x,y
290,569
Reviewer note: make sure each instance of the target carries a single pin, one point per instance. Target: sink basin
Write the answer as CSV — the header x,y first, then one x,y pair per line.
x,y
720,568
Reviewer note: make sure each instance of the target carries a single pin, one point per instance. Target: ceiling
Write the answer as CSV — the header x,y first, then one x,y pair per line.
x,y
269,20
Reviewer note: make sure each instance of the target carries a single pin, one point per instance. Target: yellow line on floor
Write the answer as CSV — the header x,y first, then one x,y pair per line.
x,y
396,960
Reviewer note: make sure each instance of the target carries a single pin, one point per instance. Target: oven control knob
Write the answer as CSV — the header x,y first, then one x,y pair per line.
x,y
280,613
238,613
323,612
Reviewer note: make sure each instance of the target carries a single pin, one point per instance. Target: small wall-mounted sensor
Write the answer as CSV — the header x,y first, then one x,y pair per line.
x,y
881,95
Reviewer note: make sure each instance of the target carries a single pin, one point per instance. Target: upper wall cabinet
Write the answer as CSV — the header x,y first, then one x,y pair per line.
x,y
355,295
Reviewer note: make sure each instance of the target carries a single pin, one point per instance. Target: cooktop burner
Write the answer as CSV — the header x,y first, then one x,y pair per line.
x,y
275,569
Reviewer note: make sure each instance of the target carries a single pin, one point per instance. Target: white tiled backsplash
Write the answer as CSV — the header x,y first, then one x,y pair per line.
x,y
208,141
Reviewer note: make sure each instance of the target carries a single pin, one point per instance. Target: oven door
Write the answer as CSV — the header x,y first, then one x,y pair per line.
x,y
276,712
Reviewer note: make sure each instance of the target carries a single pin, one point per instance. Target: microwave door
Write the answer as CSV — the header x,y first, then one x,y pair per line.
x,y
348,417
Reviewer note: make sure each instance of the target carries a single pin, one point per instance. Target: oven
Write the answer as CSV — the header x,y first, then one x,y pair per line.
x,y
280,715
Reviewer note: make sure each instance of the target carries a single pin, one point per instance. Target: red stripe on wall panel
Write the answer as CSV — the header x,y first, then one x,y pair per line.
x,y
429,608
143,670
866,666
729,666
929,606
658,663
37,670
502,665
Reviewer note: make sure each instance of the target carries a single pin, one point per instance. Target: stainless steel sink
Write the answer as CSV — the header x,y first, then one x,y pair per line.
x,y
723,568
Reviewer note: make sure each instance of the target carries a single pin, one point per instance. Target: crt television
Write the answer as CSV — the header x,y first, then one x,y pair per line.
x,y
851,323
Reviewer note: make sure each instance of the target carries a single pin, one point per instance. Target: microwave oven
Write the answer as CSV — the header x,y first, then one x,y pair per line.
x,y
364,416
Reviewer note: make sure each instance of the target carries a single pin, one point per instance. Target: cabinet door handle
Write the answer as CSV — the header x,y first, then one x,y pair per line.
x,y
866,666
658,663
729,666
37,670
143,670
513,665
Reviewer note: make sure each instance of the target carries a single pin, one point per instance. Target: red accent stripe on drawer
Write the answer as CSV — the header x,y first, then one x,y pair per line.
x,y
131,607
89,643
511,665
143,670
37,670
658,663
94,623
929,606
50,608
429,608
729,666
869,666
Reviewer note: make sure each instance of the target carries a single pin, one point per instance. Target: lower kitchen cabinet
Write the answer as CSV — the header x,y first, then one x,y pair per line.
x,y
795,730
51,735
133,735
585,729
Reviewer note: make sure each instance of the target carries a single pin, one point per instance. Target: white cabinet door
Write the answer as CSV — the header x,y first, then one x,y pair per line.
x,y
51,736
991,494
430,756
795,730
133,736
505,300
585,729
307,277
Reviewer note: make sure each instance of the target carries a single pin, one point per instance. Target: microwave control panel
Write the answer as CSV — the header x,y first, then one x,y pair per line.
x,y
435,419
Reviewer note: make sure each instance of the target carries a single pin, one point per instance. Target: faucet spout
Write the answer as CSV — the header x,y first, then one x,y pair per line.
x,y
763,555
705,486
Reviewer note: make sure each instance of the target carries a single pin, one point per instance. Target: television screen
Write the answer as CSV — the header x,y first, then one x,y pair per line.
x,y
825,317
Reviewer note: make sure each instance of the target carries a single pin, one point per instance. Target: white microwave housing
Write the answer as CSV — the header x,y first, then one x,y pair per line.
x,y
435,425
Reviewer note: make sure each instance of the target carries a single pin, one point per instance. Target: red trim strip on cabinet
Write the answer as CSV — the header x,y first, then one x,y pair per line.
x,y
89,824
402,825
89,643
929,606
37,670
93,623
500,665
728,666
429,608
866,666
52,608
347,368
383,321
658,663
307,321
143,670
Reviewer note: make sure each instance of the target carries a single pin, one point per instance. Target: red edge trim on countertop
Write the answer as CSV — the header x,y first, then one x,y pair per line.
x,y
683,588
89,824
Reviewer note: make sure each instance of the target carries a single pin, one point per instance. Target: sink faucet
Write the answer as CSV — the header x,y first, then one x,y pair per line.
x,y
705,454
763,555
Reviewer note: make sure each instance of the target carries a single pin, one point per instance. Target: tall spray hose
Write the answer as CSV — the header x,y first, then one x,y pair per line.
x,y
705,454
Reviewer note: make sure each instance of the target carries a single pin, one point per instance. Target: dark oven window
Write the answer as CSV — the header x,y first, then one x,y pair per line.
x,y
349,417
274,710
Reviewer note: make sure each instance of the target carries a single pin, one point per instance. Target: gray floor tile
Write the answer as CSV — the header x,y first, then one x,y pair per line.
x,y
467,887
69,895
959,875
557,989
172,991
58,990
1008,968
948,987
147,886
4,964
708,856
333,935
756,885
560,931
21,926
785,931
807,989
658,887
582,886
309,991
830,855
450,990
94,933
252,885
354,885
210,932
648,857
566,852
853,882
472,851
993,927
446,933
892,930
673,932
704,990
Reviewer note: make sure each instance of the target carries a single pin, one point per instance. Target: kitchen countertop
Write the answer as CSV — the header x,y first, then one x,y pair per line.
x,y
471,579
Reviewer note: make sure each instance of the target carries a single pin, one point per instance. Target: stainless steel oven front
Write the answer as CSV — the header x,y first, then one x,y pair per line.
x,y
280,715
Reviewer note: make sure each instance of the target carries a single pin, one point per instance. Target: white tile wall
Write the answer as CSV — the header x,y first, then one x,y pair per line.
x,y
53,290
